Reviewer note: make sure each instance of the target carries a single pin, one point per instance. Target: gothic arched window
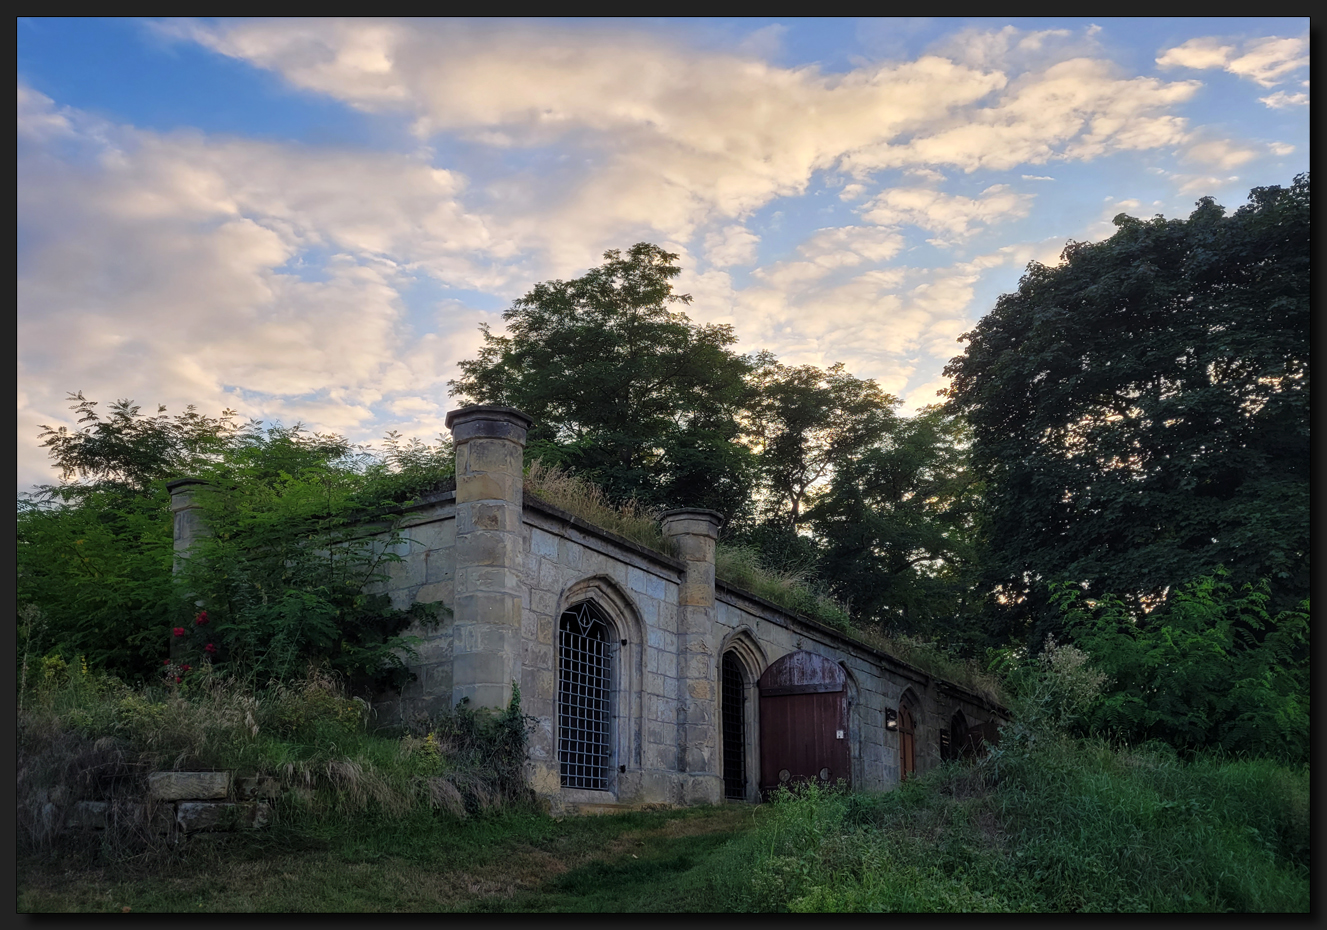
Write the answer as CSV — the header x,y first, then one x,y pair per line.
x,y
585,683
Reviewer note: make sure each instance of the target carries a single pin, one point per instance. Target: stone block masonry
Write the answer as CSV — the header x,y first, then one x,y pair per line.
x,y
511,570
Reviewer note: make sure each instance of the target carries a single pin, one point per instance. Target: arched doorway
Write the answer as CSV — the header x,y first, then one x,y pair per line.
x,y
732,716
803,722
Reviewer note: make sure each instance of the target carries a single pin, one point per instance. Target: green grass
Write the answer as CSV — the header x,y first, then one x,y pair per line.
x,y
647,860
1068,826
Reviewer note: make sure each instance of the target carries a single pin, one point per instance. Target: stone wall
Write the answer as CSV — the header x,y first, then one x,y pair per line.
x,y
506,567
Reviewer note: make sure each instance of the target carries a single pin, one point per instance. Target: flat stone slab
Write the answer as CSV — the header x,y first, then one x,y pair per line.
x,y
88,815
188,786
193,816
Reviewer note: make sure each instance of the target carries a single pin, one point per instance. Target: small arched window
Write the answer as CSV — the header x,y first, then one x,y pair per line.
x,y
732,713
907,742
585,681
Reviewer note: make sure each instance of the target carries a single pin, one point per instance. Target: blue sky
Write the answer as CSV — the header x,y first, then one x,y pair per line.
x,y
308,220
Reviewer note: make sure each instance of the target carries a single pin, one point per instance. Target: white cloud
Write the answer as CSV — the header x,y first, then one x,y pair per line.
x,y
732,245
1222,154
1281,148
1076,109
1205,52
946,213
1282,100
177,269
1266,61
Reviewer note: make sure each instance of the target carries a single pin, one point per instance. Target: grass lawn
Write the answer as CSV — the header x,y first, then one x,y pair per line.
x,y
639,861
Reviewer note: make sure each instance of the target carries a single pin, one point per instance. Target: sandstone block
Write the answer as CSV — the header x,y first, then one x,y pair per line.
x,y
88,815
183,786
192,816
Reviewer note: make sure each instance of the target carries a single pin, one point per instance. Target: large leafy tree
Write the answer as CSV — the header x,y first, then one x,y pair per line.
x,y
1141,410
898,528
805,423
622,387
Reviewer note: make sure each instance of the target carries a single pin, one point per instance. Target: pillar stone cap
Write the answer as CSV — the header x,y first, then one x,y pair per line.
x,y
704,522
181,483
485,421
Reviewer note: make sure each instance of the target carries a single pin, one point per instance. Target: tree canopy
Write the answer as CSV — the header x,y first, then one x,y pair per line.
x,y
286,578
1140,412
622,388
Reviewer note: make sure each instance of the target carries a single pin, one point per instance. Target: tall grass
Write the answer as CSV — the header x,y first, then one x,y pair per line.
x,y
561,488
87,736
1067,826
743,567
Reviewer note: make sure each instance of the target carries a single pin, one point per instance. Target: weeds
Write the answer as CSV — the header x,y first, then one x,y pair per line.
x,y
86,736
558,486
1051,824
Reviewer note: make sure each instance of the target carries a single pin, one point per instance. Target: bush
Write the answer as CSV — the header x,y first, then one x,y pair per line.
x,y
1209,668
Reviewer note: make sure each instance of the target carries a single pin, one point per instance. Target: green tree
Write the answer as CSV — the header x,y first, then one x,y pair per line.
x,y
622,388
1140,412
898,528
284,577
805,423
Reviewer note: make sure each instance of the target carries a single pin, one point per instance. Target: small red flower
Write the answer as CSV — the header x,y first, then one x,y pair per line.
x,y
178,679
185,668
209,648
202,619
179,631
165,661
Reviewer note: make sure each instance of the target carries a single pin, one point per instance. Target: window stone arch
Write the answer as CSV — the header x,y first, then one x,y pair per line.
x,y
596,610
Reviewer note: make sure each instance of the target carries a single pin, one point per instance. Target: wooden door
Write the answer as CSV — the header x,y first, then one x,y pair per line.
x,y
803,722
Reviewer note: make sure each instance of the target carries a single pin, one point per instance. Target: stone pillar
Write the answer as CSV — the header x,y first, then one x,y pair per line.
x,y
693,534
190,526
486,650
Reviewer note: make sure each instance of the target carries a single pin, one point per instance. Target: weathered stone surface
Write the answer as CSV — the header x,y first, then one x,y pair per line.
x,y
193,816
87,815
184,786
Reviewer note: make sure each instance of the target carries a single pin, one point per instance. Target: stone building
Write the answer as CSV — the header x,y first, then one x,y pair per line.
x,y
652,682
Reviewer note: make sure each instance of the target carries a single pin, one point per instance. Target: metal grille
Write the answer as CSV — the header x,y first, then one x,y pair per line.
x,y
584,692
732,700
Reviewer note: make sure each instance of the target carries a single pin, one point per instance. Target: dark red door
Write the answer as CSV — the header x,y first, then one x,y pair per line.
x,y
803,722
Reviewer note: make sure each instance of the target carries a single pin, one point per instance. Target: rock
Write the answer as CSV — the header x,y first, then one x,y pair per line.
x,y
193,816
187,786
89,815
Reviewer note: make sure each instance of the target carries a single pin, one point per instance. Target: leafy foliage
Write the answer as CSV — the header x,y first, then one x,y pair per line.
x,y
623,389
1141,411
286,577
898,527
805,423
289,571
1211,668
1055,827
